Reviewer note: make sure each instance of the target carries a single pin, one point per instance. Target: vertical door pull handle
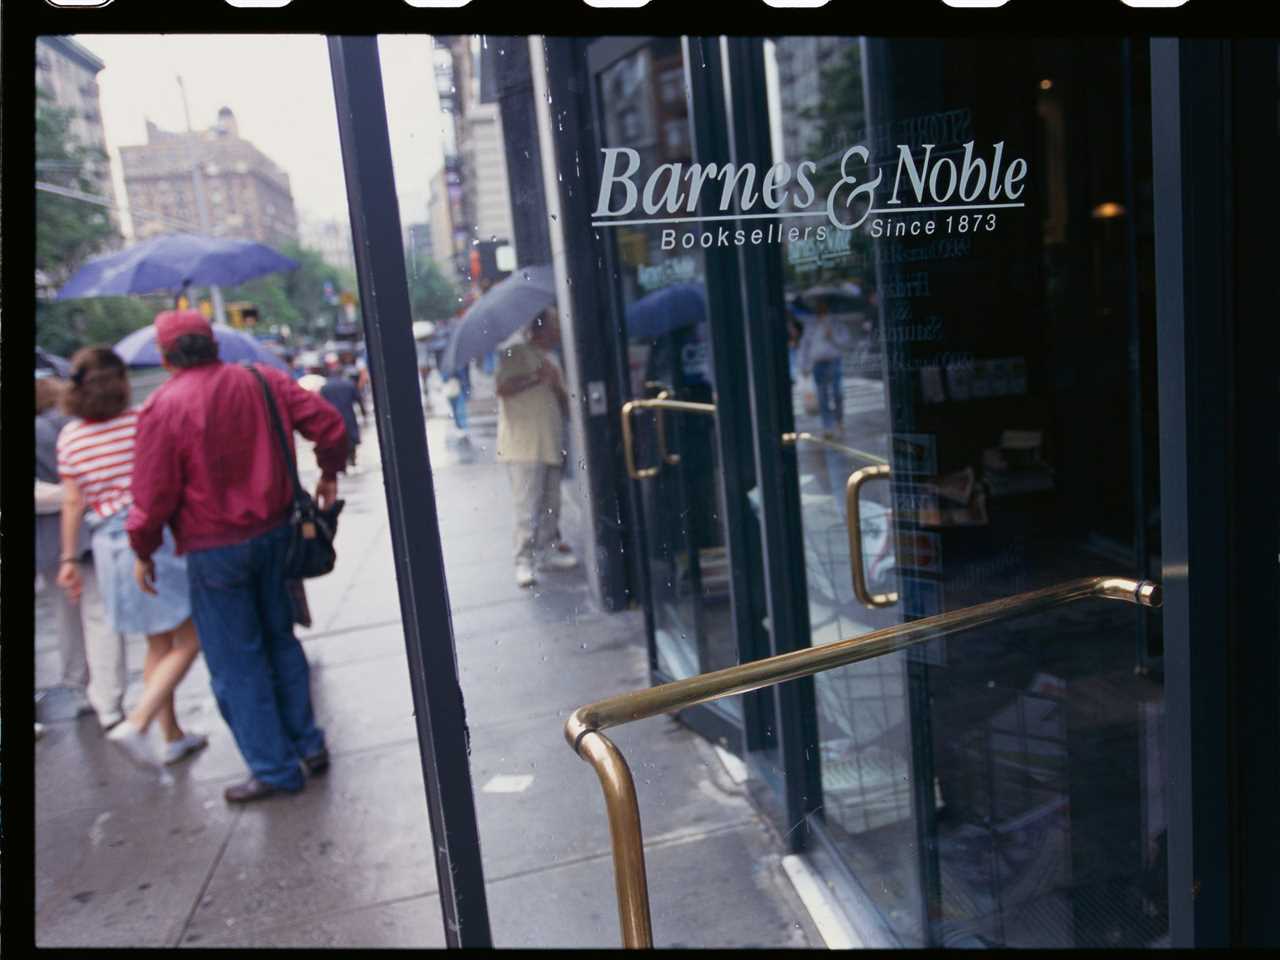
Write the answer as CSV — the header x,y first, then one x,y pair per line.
x,y
853,514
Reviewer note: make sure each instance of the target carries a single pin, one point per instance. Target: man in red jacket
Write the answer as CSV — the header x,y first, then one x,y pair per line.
x,y
208,464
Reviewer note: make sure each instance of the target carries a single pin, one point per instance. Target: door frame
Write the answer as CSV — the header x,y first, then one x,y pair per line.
x,y
1215,207
1219,559
711,720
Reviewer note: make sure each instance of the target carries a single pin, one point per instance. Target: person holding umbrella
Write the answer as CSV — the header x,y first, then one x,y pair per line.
x,y
532,405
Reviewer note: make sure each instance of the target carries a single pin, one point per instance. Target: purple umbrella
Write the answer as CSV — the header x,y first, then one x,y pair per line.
x,y
139,349
172,262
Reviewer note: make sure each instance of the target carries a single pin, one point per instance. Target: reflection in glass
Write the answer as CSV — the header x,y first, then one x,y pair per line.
x,y
1004,787
645,108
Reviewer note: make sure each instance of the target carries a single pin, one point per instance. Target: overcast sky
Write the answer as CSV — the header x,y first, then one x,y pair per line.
x,y
281,91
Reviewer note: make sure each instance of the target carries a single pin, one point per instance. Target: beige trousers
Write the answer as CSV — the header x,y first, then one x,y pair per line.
x,y
93,655
535,490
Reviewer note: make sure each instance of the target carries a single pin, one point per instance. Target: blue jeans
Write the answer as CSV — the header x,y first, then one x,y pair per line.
x,y
828,377
259,673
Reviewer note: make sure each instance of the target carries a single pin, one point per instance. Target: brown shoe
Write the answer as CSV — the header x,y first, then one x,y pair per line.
x,y
251,790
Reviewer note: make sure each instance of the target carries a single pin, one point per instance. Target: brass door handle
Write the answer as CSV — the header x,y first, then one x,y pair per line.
x,y
660,403
853,513
663,455
664,393
584,728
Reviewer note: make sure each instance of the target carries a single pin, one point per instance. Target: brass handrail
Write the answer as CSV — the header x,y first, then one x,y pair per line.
x,y
583,728
657,403
792,439
853,521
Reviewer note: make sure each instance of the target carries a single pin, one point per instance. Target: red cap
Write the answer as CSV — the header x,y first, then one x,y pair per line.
x,y
173,324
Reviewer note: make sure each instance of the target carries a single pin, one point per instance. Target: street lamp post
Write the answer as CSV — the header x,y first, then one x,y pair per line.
x,y
202,209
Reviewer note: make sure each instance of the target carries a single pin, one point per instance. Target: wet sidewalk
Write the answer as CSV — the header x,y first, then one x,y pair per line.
x,y
125,859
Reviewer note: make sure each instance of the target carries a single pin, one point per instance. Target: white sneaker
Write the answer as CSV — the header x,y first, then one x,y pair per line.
x,y
109,720
134,743
558,560
39,729
524,574
181,749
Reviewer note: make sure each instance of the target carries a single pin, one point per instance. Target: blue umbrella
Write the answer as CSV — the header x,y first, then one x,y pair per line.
x,y
172,262
139,349
671,308
499,312
49,364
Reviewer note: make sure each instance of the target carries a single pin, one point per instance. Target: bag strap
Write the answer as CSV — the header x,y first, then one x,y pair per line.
x,y
274,414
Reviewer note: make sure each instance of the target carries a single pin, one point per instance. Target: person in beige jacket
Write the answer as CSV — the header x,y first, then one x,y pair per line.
x,y
532,405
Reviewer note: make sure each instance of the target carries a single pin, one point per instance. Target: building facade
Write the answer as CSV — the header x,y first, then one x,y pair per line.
x,y
440,222
68,73
242,192
331,239
485,173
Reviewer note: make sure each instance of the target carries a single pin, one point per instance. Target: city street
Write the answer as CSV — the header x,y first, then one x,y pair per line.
x,y
128,858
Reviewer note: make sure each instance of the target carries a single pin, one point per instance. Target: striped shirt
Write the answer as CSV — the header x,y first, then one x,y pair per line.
x,y
98,456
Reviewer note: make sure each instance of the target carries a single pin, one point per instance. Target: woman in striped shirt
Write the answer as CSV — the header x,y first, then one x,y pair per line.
x,y
95,464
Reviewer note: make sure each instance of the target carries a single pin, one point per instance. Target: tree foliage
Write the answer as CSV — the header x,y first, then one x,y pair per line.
x,y
297,298
68,231
432,295
64,326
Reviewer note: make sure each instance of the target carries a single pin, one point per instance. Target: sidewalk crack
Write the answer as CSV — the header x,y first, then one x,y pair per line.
x,y
204,887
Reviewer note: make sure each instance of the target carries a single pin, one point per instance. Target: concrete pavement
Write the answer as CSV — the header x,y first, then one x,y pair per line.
x,y
126,859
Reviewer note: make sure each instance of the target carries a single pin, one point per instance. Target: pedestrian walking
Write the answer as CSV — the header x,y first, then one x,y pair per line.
x,y
532,405
209,466
93,655
95,466
341,391
458,389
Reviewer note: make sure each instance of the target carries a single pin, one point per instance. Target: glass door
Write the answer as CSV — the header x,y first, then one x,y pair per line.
x,y
640,98
966,274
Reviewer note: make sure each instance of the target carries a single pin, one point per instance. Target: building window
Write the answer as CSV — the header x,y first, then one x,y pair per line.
x,y
630,121
672,86
674,134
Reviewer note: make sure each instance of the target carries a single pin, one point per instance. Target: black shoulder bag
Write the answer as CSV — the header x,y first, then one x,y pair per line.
x,y
311,530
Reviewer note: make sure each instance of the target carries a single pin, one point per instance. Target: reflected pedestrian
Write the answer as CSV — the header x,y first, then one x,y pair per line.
x,y
821,353
96,465
532,405
210,467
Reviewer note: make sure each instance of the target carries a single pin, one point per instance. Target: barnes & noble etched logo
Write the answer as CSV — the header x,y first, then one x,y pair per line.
x,y
928,195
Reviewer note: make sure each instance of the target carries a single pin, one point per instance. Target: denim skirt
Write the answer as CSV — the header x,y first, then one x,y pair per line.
x,y
128,609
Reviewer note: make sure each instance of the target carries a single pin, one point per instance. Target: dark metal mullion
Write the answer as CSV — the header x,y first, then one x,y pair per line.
x,y
1138,466
785,581
879,63
582,61
733,421
1192,177
1254,576
439,712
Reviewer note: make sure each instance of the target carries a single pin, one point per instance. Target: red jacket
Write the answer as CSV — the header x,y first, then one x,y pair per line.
x,y
207,461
